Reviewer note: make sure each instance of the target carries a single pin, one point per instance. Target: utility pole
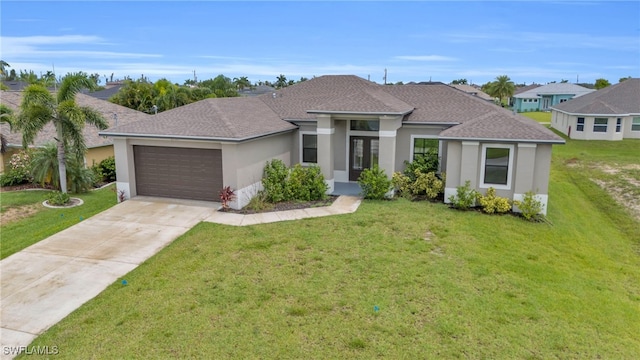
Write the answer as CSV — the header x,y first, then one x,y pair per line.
x,y
385,76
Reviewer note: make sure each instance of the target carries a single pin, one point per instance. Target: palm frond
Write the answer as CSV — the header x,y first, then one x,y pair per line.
x,y
31,120
72,83
94,118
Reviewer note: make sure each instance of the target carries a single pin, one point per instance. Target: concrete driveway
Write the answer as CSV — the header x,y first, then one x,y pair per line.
x,y
47,281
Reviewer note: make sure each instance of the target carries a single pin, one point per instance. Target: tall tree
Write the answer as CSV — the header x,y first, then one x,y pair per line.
x,y
242,82
502,87
624,78
6,116
39,107
281,81
3,69
601,83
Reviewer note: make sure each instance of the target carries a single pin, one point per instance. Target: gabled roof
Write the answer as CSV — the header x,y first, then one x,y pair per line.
x,y
554,89
244,118
620,99
522,89
473,91
231,119
113,113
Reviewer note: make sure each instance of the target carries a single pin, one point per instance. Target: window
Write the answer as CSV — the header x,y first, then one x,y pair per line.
x,y
618,124
422,147
580,126
309,148
365,125
496,166
563,100
600,125
535,100
635,124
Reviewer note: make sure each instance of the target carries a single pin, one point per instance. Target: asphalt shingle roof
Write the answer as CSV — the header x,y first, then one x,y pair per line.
x,y
554,89
473,91
223,118
114,114
620,99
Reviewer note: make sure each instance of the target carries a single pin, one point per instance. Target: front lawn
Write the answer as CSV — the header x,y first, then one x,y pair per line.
x,y
539,116
396,279
25,221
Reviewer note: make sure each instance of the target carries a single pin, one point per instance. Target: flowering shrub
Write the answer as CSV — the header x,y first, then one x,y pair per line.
x,y
493,204
18,170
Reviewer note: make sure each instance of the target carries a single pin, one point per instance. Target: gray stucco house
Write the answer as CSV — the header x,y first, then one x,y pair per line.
x,y
342,123
612,113
542,98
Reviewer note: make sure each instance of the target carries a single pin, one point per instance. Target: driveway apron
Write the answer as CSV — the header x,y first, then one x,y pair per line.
x,y
45,282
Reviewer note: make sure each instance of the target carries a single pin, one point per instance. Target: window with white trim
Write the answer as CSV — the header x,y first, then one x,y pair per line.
x,y
580,125
424,146
635,124
618,124
600,124
309,148
497,166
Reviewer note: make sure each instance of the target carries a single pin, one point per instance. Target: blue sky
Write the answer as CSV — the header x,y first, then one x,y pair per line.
x,y
538,41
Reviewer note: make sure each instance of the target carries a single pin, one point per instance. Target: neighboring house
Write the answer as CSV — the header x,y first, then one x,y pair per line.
x,y
99,147
473,91
612,113
106,93
256,90
543,97
344,124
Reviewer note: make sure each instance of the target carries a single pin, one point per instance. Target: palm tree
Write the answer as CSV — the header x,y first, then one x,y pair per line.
x,y
3,69
242,82
502,87
6,116
281,81
39,107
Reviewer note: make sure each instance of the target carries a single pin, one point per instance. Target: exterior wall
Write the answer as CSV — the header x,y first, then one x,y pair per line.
x,y
340,151
525,105
6,157
567,124
404,143
529,169
97,154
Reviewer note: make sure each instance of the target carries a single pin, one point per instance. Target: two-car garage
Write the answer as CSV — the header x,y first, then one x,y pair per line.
x,y
181,173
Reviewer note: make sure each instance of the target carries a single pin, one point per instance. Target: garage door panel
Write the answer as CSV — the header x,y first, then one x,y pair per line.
x,y
182,173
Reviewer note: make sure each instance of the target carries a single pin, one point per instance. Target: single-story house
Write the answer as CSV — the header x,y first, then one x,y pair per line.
x,y
612,113
343,124
473,91
543,97
99,147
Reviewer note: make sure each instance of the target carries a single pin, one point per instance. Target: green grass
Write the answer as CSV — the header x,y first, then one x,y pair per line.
x,y
539,116
446,284
17,235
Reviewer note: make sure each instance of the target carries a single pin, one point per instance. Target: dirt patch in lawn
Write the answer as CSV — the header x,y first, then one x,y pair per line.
x,y
623,184
19,212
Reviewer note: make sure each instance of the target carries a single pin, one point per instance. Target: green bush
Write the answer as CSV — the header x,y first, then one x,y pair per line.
x,y
374,183
259,203
305,184
530,207
274,180
402,184
44,165
492,204
58,198
423,164
465,197
107,169
18,171
428,184
79,178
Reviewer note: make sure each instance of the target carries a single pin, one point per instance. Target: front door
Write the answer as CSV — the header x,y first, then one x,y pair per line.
x,y
546,102
363,154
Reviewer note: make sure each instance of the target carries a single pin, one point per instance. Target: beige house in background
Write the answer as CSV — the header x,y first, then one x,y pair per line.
x,y
612,113
99,147
342,123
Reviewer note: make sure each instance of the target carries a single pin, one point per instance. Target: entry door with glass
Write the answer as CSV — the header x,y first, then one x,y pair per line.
x,y
363,154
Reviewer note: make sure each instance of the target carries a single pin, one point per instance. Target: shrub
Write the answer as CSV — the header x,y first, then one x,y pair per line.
x,y
226,196
306,184
79,178
274,180
402,184
465,197
18,170
259,203
58,198
423,164
428,184
44,165
107,169
374,183
492,204
530,207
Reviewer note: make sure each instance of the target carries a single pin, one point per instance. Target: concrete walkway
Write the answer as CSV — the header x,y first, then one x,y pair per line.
x,y
45,282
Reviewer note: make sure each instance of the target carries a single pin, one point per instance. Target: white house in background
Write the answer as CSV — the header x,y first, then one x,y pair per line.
x,y
612,113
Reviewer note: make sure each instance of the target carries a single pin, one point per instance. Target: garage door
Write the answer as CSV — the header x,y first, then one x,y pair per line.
x,y
179,173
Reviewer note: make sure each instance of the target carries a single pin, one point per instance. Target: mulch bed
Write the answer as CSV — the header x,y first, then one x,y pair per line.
x,y
26,187
287,205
